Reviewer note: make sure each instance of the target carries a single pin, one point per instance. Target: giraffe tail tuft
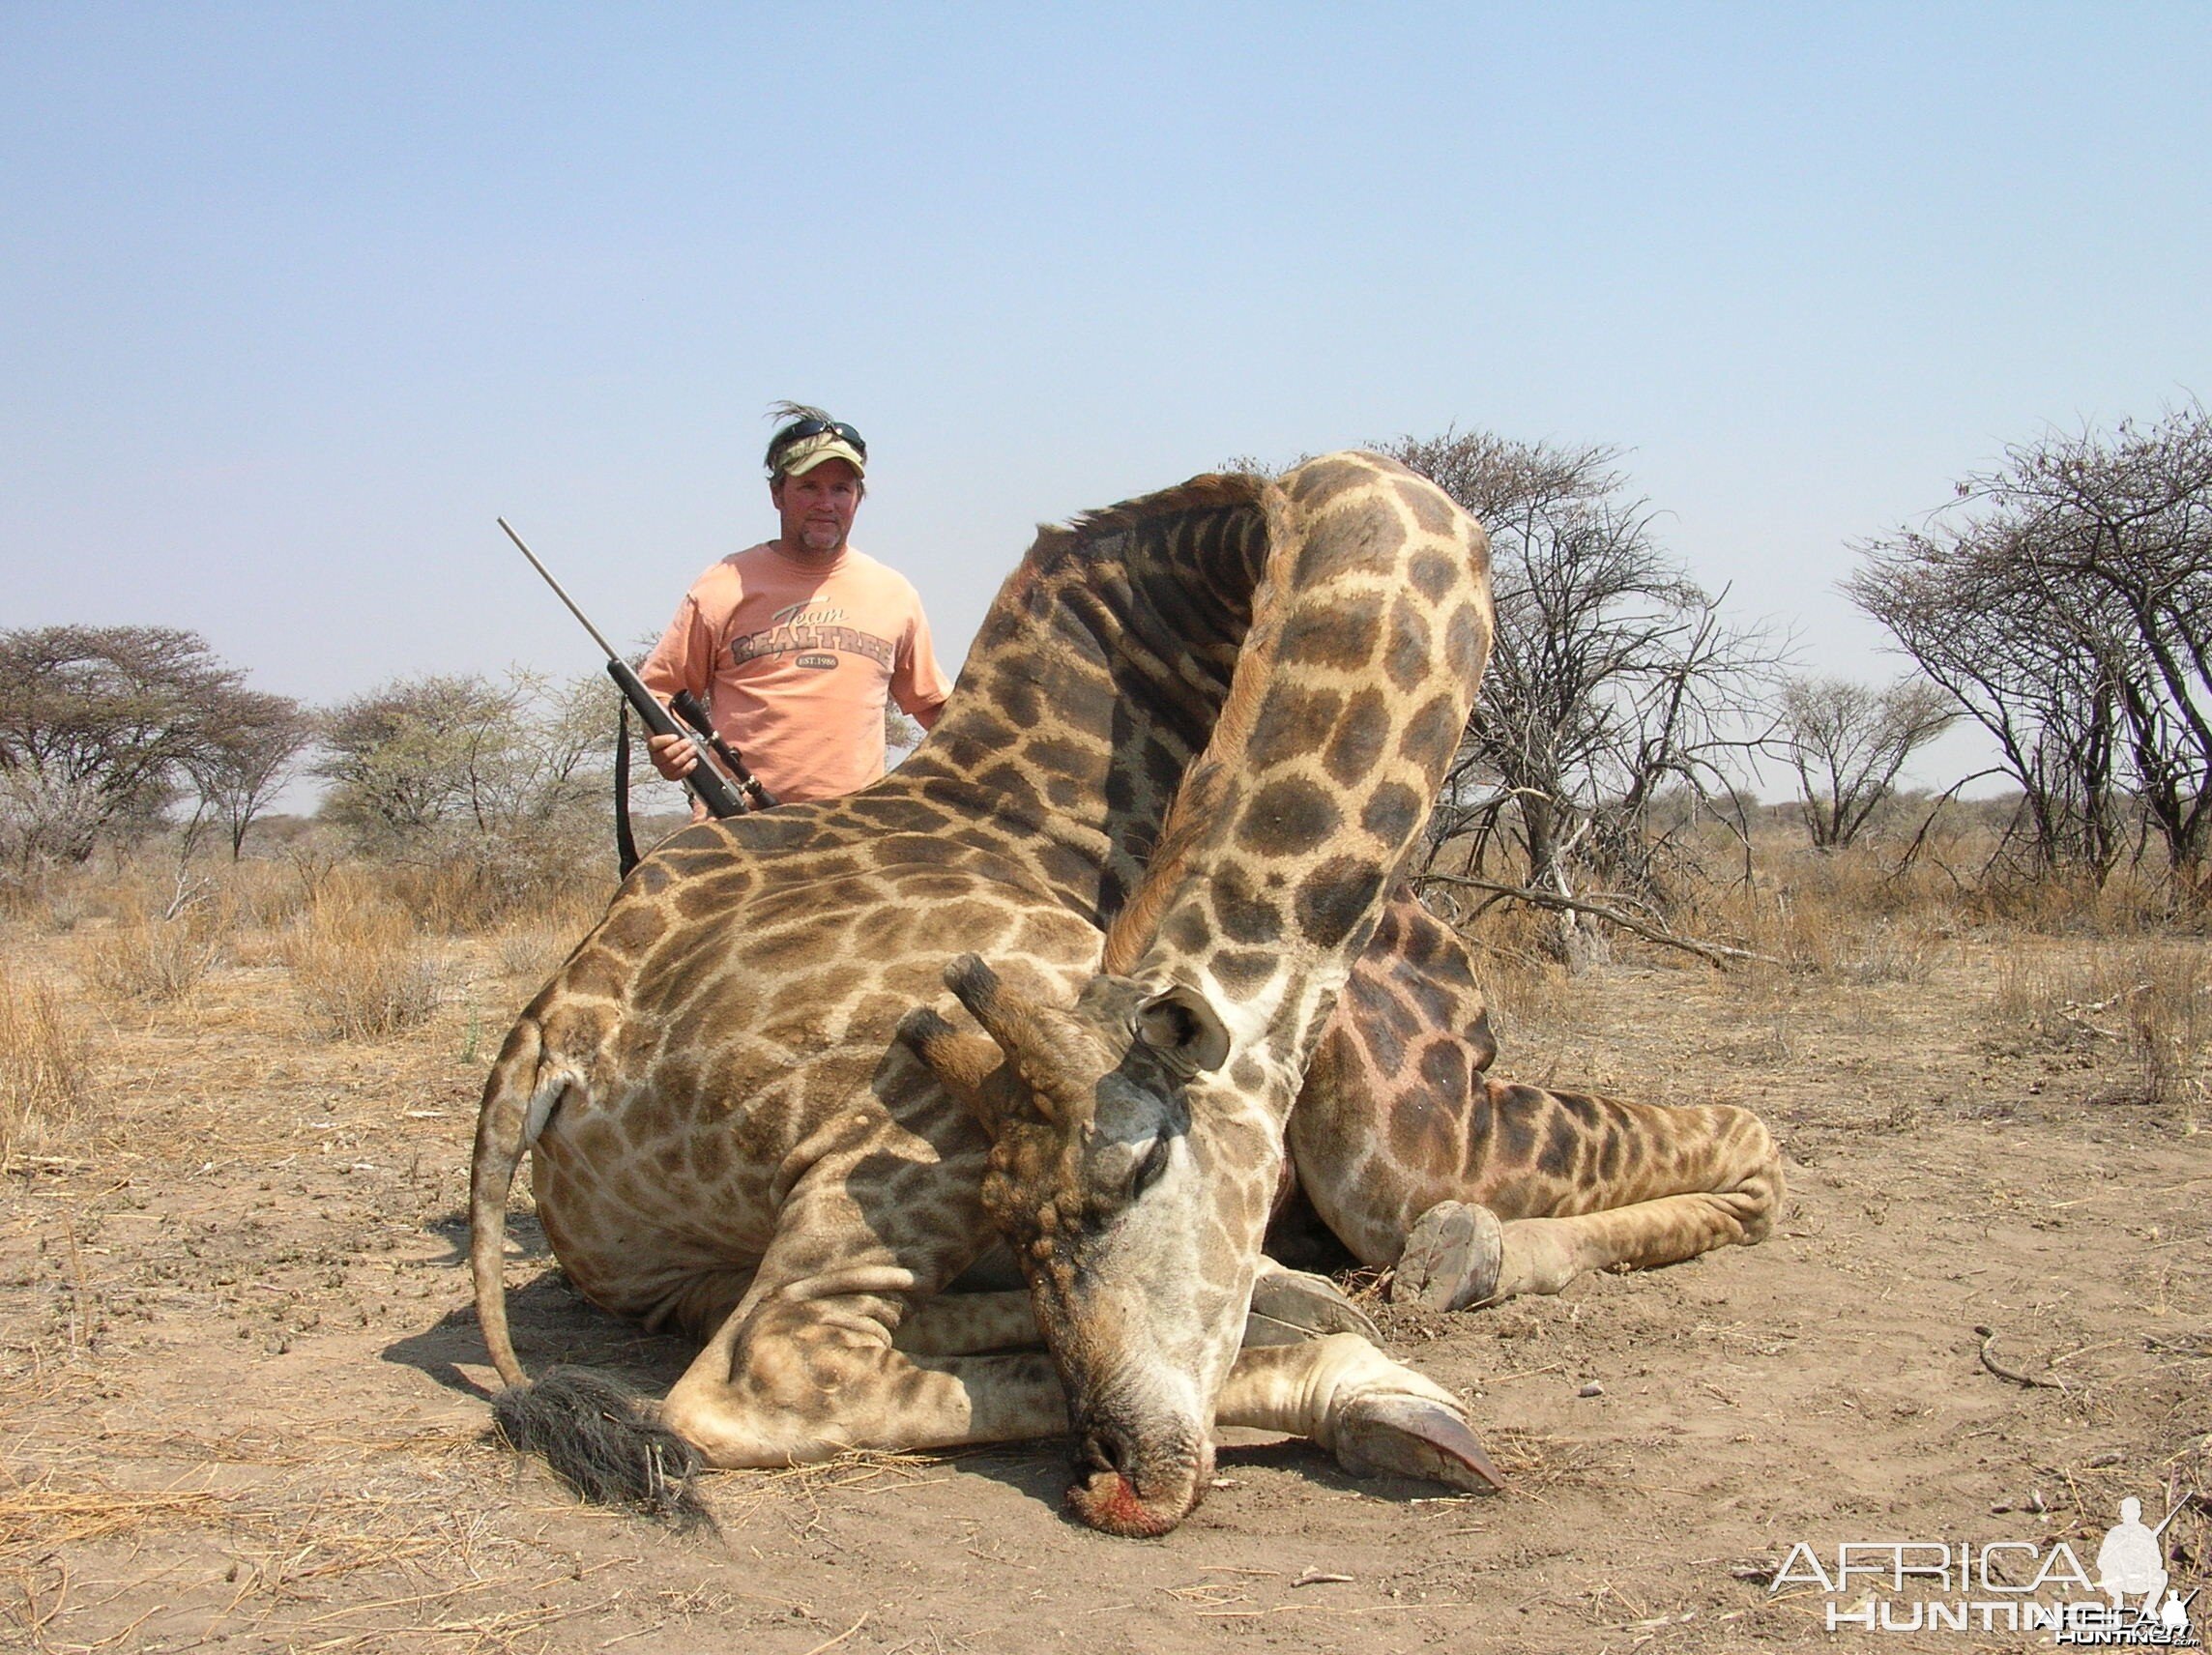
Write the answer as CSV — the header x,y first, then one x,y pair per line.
x,y
598,1439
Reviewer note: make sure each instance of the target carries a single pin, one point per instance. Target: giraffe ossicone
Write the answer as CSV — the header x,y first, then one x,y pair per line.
x,y
1156,832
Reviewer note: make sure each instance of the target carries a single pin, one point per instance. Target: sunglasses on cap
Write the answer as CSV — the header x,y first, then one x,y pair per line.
x,y
806,429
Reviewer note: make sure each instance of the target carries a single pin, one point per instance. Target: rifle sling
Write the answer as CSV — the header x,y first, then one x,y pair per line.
x,y
625,845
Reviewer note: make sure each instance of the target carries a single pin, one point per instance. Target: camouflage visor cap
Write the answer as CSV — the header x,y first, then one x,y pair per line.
x,y
809,452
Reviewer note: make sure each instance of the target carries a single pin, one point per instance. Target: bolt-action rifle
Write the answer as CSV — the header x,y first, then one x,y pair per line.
x,y
722,794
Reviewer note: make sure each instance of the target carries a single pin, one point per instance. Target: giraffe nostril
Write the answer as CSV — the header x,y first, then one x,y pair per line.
x,y
1101,1453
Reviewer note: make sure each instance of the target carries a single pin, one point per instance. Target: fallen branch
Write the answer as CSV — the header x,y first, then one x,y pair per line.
x,y
1988,1338
1715,953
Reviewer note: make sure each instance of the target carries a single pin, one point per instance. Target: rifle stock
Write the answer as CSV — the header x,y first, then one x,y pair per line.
x,y
687,706
708,784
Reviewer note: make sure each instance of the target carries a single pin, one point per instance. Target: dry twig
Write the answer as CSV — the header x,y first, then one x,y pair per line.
x,y
1988,1338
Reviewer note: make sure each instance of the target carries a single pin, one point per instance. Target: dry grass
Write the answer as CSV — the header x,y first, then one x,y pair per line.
x,y
2170,1022
48,1079
539,940
359,965
2153,1000
45,1512
490,883
159,957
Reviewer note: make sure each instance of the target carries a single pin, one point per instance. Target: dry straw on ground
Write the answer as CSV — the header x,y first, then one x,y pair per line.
x,y
360,966
48,1081
159,957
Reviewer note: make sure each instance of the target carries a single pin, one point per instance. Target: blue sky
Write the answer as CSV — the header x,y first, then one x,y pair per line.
x,y
294,300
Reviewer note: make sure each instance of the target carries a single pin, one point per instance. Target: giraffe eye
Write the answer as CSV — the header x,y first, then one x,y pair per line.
x,y
1150,1169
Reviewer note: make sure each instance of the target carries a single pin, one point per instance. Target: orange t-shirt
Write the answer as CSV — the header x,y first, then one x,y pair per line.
x,y
796,662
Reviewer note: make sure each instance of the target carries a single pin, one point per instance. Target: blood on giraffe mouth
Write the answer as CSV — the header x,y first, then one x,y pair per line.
x,y
1125,1488
1108,1501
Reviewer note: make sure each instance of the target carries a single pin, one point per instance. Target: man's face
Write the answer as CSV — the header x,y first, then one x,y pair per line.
x,y
817,507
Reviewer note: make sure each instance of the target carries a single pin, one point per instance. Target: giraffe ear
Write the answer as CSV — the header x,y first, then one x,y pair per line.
x,y
1184,1031
963,1063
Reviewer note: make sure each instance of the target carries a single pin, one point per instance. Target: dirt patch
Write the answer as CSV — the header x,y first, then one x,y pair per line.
x,y
244,1395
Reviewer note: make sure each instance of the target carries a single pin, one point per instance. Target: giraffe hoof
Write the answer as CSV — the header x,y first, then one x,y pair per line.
x,y
1291,1306
1451,1258
1412,1437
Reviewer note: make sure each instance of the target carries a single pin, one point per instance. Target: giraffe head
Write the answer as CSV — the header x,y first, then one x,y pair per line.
x,y
1107,1180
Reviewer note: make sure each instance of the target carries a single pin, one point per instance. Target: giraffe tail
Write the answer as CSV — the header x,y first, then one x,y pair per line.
x,y
596,1436
598,1439
518,1096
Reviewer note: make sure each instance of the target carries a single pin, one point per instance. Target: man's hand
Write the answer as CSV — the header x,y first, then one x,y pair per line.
x,y
673,756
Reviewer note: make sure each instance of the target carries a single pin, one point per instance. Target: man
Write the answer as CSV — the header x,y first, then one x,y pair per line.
x,y
796,644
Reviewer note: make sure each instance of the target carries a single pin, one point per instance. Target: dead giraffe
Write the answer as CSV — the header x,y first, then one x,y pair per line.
x,y
725,1136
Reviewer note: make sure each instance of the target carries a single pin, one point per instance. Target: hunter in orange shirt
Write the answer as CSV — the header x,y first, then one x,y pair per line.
x,y
794,645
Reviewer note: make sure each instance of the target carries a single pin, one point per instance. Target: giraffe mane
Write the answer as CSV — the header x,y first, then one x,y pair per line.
x,y
1194,810
1055,544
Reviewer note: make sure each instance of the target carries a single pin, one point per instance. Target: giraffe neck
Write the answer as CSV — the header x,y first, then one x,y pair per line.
x,y
1355,679
1098,672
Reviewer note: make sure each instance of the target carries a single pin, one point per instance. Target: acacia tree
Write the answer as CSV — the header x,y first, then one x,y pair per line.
x,y
439,763
1613,677
100,728
1847,742
2066,602
2116,535
256,741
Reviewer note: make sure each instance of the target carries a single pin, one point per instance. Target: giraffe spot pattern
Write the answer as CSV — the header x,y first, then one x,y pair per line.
x,y
1244,916
1359,740
1409,660
1345,639
1293,721
1391,812
1288,818
1335,897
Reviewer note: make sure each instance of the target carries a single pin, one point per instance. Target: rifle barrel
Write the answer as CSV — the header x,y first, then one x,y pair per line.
x,y
606,648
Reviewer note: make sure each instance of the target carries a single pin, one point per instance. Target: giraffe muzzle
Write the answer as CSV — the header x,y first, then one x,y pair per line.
x,y
1134,1488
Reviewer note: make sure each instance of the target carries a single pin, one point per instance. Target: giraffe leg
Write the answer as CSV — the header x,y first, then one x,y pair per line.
x,y
1451,1258
799,1380
967,1323
1460,1255
1374,1414
1479,1189
796,1381
1286,1306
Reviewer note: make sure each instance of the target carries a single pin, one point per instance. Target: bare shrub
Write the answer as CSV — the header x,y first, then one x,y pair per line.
x,y
2170,1026
1847,743
48,1079
467,886
2151,1000
358,966
532,945
160,957
2127,903
2065,602
1615,684
481,798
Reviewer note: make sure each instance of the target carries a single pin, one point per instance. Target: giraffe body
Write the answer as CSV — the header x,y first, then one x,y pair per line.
x,y
727,1137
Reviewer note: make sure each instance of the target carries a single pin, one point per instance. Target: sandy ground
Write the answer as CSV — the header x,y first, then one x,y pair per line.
x,y
241,1394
